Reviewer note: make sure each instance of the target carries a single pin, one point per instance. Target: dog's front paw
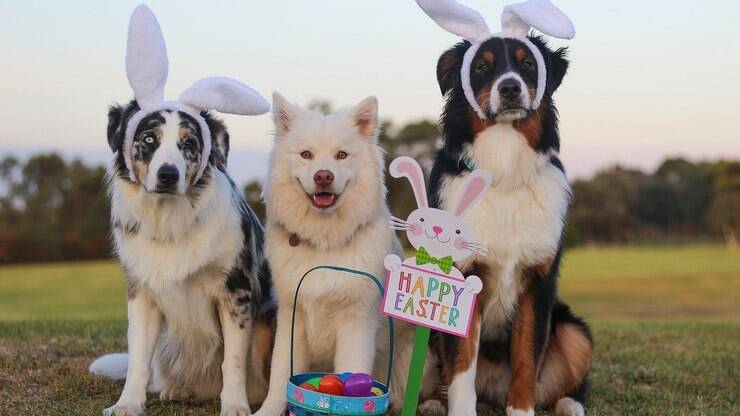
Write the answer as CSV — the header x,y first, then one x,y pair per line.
x,y
462,409
510,411
124,410
175,393
569,407
235,410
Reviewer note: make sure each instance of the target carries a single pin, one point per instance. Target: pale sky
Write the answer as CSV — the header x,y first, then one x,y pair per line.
x,y
649,78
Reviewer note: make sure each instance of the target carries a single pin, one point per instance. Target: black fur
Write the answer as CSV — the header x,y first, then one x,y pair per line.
x,y
457,127
458,123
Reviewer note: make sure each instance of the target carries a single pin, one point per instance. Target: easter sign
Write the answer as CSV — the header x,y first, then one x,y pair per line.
x,y
427,289
430,299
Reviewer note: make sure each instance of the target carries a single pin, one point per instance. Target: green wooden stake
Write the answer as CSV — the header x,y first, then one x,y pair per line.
x,y
416,371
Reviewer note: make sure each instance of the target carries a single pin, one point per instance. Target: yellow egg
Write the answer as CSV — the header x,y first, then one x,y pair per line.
x,y
377,391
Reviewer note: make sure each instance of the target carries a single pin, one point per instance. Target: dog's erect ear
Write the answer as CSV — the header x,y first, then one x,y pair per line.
x,y
283,113
118,117
449,66
219,141
365,117
557,64
115,117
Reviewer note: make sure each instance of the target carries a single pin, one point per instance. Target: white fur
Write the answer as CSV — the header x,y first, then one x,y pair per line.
x,y
529,198
516,412
525,100
167,153
569,407
112,366
177,260
461,394
336,320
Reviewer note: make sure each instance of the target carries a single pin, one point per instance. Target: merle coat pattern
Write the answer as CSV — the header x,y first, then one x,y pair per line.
x,y
200,296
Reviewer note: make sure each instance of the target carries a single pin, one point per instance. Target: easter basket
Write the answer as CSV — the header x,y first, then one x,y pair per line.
x,y
306,402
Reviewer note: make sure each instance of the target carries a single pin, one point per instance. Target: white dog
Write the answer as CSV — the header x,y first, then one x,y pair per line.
x,y
325,200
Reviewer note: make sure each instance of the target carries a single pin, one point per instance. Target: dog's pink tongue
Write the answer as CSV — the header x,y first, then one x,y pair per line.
x,y
323,200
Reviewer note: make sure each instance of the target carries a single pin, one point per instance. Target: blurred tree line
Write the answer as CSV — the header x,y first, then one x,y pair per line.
x,y
52,209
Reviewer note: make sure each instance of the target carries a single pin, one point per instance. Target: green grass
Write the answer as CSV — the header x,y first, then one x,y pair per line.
x,y
666,323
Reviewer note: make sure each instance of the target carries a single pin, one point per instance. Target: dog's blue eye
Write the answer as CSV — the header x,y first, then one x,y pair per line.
x,y
148,139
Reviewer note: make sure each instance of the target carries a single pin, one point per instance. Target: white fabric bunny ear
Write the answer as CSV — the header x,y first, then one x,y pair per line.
x,y
406,167
542,15
146,58
456,19
225,95
146,69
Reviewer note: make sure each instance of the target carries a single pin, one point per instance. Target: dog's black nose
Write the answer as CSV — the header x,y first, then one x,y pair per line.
x,y
323,178
168,175
510,89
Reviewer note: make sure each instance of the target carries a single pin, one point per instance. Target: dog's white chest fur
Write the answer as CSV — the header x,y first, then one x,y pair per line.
x,y
177,247
328,298
520,217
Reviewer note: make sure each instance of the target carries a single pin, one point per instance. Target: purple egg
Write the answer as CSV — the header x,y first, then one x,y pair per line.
x,y
358,385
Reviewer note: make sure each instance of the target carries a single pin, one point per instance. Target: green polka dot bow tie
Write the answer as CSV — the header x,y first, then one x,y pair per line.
x,y
423,257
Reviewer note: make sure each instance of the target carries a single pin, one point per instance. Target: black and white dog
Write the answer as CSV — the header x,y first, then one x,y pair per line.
x,y
200,304
526,348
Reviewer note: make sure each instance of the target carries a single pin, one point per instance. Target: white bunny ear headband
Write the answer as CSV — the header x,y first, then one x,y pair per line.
x,y
516,21
146,69
477,181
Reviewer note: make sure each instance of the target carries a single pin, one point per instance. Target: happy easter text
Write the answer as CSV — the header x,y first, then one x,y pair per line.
x,y
430,299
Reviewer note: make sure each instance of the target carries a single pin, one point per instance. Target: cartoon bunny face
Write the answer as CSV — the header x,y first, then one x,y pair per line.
x,y
440,233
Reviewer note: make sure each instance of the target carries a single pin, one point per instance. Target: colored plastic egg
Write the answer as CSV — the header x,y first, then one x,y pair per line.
x,y
308,386
376,391
331,384
358,385
344,376
314,382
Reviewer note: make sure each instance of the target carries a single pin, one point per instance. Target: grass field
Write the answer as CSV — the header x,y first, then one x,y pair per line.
x,y
666,323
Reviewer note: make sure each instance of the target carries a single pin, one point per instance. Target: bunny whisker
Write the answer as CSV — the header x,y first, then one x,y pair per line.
x,y
473,244
400,227
398,220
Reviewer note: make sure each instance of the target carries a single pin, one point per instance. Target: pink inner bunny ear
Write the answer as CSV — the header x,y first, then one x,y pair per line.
x,y
478,181
407,167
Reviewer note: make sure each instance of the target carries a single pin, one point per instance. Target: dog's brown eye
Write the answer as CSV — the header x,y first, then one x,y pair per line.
x,y
457,231
341,155
527,64
482,68
189,144
421,219
306,154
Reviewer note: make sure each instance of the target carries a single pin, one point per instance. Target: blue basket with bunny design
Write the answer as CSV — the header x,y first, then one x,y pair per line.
x,y
303,400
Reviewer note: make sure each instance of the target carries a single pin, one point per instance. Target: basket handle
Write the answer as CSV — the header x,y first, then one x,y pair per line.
x,y
356,273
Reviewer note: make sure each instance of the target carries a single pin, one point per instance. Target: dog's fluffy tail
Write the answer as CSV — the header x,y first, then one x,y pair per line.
x,y
112,366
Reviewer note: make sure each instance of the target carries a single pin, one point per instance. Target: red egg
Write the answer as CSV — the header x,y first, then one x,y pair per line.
x,y
331,384
308,386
